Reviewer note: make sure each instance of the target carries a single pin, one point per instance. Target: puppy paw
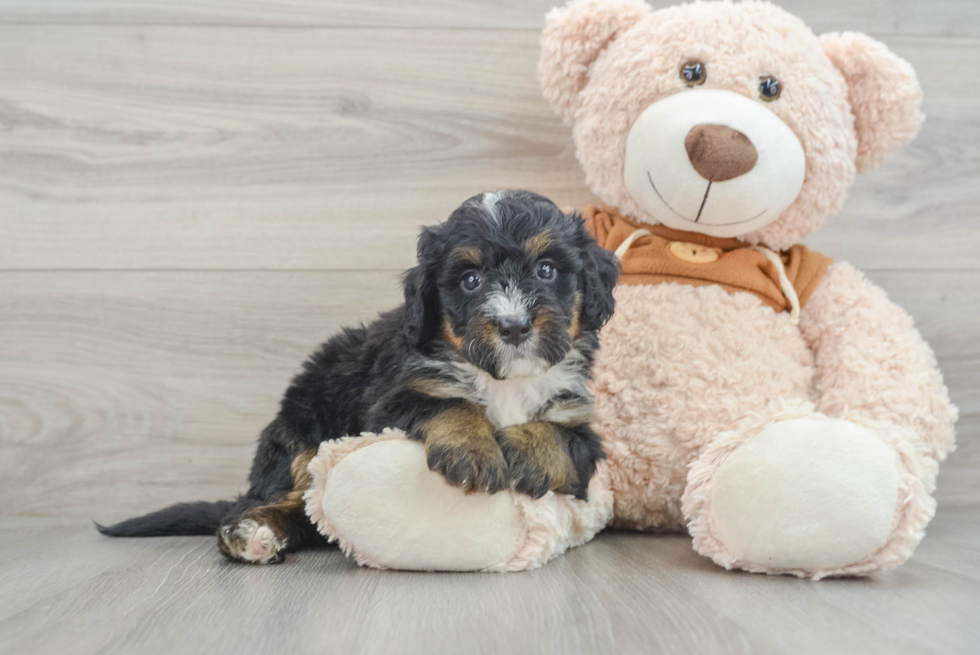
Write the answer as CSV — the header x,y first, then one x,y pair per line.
x,y
248,541
479,467
460,444
529,479
536,459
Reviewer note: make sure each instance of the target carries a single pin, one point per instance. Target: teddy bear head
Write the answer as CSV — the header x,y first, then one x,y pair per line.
x,y
732,120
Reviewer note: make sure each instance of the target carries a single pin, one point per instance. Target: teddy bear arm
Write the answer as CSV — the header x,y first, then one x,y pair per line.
x,y
870,360
843,488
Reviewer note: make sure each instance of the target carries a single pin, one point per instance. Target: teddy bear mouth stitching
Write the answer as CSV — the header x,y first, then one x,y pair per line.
x,y
703,202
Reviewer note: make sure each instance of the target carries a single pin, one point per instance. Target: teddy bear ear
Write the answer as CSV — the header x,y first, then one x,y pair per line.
x,y
883,91
573,37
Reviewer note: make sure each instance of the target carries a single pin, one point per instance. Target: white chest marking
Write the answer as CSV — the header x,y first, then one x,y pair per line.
x,y
517,400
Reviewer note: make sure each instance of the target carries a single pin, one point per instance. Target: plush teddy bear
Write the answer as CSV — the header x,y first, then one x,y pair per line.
x,y
774,404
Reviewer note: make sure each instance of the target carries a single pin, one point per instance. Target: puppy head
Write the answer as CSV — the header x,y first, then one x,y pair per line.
x,y
510,283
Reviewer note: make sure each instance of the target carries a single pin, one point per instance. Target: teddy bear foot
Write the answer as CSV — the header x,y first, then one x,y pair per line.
x,y
376,497
809,495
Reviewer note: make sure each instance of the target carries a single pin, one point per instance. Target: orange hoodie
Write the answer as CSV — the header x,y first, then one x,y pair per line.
x,y
670,255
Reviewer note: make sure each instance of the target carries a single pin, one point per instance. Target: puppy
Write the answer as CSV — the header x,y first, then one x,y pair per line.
x,y
486,363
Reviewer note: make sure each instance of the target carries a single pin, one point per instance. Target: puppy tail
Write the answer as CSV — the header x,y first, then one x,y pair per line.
x,y
201,518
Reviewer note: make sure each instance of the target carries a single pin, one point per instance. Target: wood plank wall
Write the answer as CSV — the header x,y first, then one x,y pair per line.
x,y
193,194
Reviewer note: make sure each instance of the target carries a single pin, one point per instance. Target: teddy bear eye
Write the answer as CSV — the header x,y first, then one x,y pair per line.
x,y
693,73
769,88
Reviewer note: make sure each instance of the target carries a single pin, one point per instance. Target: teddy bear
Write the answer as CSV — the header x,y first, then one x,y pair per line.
x,y
767,400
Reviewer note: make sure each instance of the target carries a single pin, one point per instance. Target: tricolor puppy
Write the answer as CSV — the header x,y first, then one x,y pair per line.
x,y
486,363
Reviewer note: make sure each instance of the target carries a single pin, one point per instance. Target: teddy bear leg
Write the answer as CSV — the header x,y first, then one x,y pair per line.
x,y
810,495
376,497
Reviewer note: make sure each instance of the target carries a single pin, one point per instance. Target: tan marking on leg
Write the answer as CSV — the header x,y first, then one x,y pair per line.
x,y
260,533
460,444
460,426
538,243
536,450
301,480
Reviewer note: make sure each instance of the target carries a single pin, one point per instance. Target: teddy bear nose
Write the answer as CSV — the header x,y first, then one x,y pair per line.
x,y
719,153
514,329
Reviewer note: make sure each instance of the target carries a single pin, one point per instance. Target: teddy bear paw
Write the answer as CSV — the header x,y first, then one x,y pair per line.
x,y
808,496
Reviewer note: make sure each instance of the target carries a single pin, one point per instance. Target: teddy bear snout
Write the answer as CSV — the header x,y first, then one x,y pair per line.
x,y
719,153
712,159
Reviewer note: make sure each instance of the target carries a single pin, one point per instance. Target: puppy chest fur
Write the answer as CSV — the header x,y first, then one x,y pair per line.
x,y
558,394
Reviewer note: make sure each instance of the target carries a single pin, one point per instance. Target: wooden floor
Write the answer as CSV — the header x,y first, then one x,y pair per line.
x,y
65,589
194,193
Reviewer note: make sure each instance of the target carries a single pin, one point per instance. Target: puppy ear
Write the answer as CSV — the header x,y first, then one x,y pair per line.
x,y
573,37
600,271
422,307
883,91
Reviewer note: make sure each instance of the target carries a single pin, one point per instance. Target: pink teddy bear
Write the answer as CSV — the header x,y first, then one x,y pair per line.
x,y
774,404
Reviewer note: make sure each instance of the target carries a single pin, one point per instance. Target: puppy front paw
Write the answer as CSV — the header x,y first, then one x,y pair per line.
x,y
537,460
460,444
470,469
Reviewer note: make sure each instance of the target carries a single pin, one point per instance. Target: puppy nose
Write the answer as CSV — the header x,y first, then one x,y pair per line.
x,y
719,153
514,329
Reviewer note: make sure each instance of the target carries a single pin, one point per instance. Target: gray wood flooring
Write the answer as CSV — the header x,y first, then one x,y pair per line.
x,y
65,589
193,194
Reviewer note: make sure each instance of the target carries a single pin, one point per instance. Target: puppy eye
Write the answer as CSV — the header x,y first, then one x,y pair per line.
x,y
471,281
547,271
769,88
693,73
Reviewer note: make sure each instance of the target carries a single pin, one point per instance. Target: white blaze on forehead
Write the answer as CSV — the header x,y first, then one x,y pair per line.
x,y
490,205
